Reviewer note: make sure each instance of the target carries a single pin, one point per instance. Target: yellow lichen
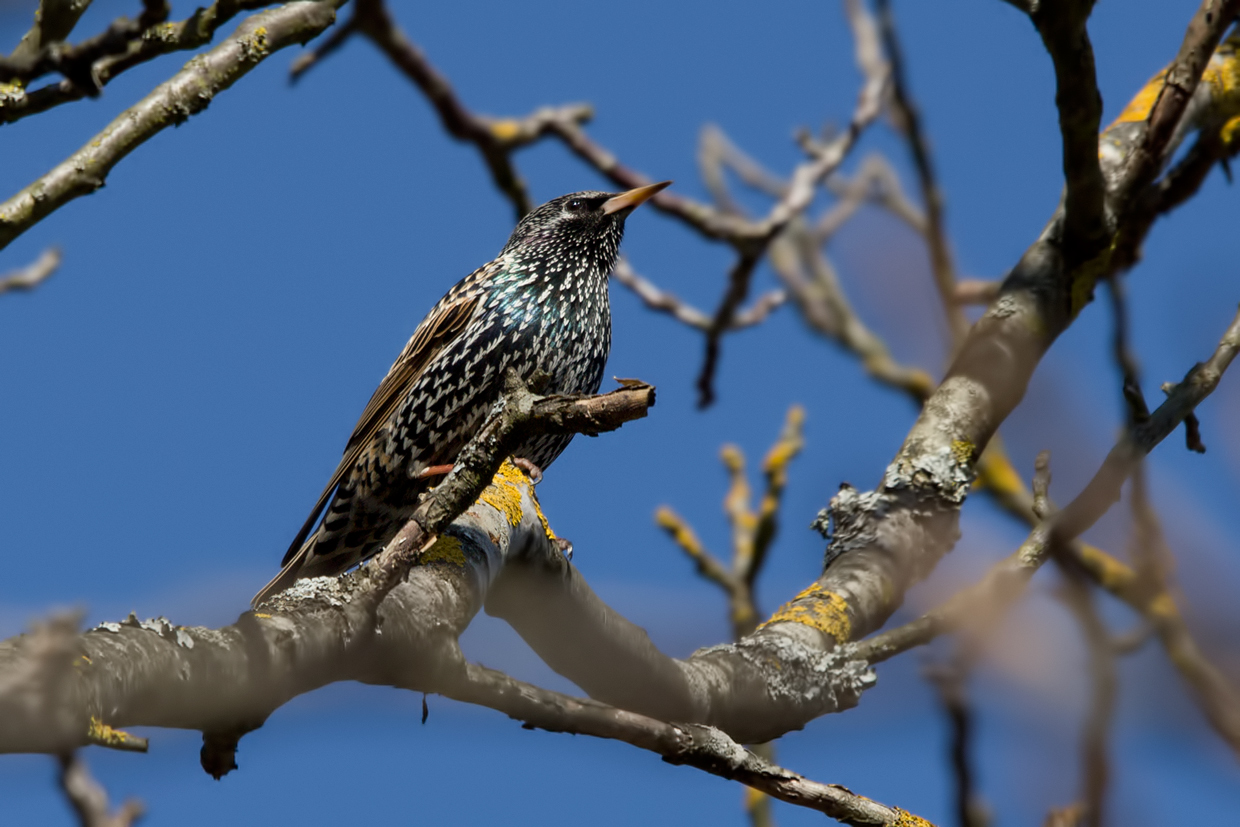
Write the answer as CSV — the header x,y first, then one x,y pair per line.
x,y
1230,130
445,550
504,492
681,533
783,451
506,129
260,39
1087,276
906,819
263,615
1223,70
1111,573
819,609
1162,607
1138,109
962,450
105,736
542,518
995,473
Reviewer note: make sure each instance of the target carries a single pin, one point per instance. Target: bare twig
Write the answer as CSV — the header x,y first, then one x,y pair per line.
x,y
950,678
811,281
309,59
682,534
192,33
89,800
33,274
170,104
908,121
716,152
663,302
693,745
76,63
977,291
753,531
495,138
752,534
1099,718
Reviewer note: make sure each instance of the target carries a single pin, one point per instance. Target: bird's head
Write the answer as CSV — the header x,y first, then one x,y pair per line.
x,y
578,229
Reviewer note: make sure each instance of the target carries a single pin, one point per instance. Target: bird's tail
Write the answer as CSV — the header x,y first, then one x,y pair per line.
x,y
287,576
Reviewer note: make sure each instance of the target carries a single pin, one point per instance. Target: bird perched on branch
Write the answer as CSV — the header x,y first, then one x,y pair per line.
x,y
539,307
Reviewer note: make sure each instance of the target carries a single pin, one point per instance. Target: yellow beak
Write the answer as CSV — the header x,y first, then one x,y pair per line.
x,y
632,199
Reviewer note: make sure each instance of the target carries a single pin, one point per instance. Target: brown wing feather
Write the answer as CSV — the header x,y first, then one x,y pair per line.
x,y
447,321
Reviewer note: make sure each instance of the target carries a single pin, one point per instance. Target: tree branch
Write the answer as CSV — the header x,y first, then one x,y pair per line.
x,y
192,33
978,603
33,274
89,800
170,104
77,63
908,121
705,748
1061,23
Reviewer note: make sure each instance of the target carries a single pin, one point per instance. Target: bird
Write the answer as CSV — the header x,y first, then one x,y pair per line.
x,y
540,308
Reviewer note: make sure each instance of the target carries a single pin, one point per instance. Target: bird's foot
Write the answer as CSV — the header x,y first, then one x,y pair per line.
x,y
434,471
531,470
565,547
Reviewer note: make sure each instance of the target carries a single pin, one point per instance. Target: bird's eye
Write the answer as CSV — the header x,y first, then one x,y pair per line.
x,y
576,205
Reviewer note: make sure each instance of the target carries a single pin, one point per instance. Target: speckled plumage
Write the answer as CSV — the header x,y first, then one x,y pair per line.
x,y
541,305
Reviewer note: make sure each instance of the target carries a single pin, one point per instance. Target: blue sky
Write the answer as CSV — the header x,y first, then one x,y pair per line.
x,y
175,396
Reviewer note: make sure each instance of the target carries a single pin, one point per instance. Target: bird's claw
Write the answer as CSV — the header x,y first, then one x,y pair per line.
x,y
531,470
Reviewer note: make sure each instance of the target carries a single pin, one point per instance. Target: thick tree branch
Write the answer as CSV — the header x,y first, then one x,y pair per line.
x,y
322,629
884,541
979,603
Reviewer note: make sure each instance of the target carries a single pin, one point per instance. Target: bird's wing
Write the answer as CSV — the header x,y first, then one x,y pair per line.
x,y
445,322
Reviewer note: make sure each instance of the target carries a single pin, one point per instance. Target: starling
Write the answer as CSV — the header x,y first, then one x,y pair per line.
x,y
540,306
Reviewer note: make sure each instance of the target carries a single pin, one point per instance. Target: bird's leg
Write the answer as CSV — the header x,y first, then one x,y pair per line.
x,y
531,470
434,471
